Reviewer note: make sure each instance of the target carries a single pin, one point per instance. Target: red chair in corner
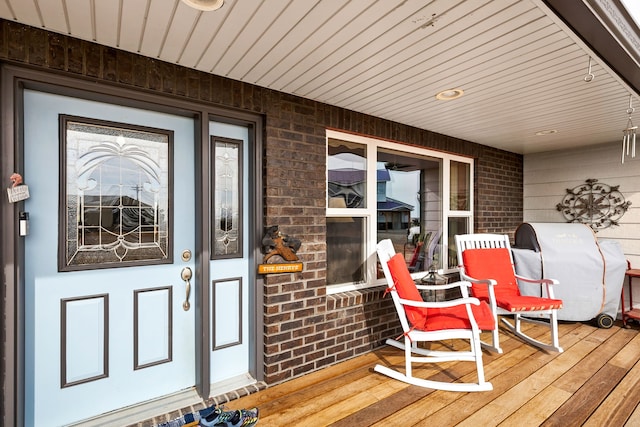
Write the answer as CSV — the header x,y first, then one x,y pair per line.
x,y
485,260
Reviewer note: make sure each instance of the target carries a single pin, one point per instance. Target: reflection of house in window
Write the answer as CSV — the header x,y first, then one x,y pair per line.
x,y
107,219
349,185
114,181
116,195
392,214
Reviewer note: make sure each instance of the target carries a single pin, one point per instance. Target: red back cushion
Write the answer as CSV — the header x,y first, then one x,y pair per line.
x,y
406,289
491,263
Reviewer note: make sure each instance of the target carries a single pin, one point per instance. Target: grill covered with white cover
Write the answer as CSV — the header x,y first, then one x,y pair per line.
x,y
590,271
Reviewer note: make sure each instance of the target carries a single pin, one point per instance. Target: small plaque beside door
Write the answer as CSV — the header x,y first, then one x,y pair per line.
x,y
292,267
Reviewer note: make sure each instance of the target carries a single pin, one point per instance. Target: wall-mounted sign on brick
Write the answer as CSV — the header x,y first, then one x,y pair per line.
x,y
279,245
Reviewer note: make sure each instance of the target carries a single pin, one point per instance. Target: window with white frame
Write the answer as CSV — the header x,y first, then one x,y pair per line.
x,y
376,190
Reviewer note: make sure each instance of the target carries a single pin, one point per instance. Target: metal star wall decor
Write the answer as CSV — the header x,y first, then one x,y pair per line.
x,y
595,204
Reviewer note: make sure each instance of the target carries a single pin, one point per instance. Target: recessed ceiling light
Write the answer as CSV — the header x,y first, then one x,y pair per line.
x,y
204,5
449,94
546,132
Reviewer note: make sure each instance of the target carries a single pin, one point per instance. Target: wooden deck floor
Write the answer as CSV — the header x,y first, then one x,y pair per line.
x,y
595,382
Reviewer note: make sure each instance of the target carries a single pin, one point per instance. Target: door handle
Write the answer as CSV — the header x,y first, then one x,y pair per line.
x,y
186,275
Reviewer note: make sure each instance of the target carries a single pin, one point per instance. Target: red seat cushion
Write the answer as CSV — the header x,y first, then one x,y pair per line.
x,y
495,263
456,318
434,319
528,303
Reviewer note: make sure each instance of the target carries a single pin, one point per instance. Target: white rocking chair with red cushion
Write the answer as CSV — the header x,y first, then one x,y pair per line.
x,y
421,321
485,260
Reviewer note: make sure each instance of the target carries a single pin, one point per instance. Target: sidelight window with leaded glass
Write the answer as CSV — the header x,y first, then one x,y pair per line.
x,y
227,198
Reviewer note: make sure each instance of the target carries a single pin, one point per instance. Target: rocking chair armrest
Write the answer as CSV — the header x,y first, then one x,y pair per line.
x,y
440,304
439,287
539,281
488,282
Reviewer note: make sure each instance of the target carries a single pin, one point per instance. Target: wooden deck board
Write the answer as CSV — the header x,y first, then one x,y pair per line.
x,y
611,392
594,382
494,365
634,419
520,364
601,352
396,404
628,356
538,409
536,373
546,402
621,403
579,407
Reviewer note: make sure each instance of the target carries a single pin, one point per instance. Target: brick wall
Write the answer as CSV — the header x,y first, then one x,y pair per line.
x,y
304,328
499,190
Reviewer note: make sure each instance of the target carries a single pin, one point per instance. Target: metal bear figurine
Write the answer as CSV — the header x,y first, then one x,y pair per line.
x,y
276,243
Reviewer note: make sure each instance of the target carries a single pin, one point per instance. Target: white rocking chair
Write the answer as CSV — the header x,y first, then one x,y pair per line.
x,y
485,260
462,318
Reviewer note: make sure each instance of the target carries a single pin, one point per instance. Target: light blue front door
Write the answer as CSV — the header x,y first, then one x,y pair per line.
x,y
105,319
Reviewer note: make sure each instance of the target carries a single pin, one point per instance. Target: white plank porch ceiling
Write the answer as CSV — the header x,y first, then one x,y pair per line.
x,y
521,69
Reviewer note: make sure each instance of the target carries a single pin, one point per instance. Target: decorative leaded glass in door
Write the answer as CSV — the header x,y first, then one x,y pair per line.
x,y
115,202
227,198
